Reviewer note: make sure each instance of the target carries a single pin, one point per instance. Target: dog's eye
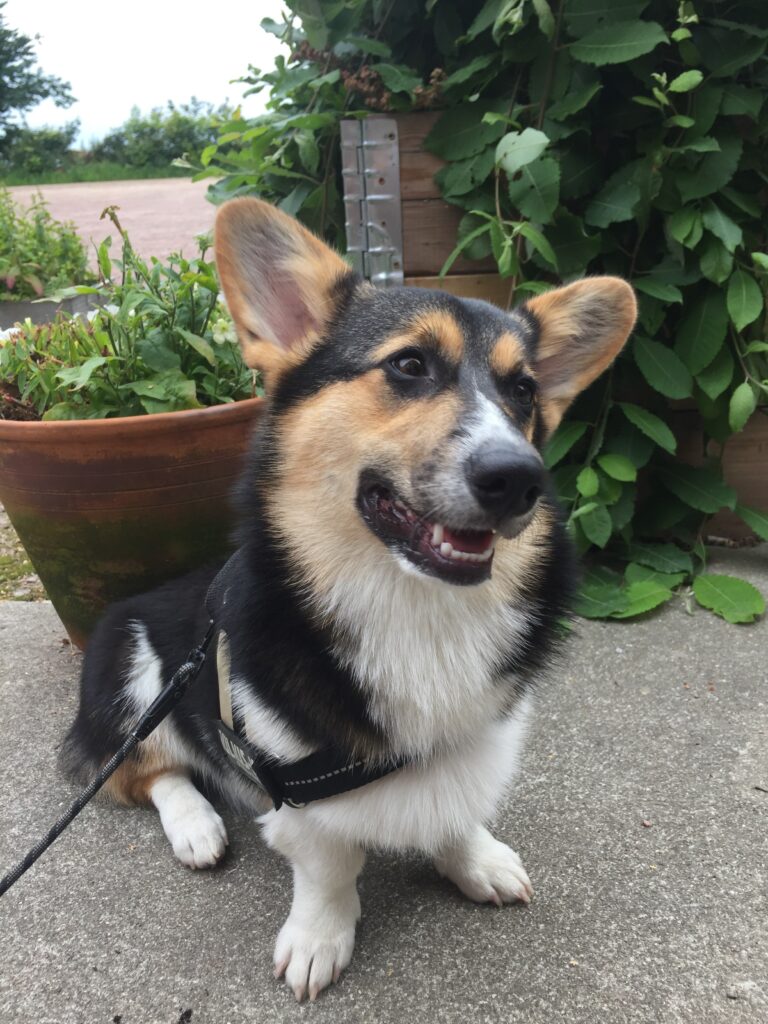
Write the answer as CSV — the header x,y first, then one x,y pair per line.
x,y
524,391
410,363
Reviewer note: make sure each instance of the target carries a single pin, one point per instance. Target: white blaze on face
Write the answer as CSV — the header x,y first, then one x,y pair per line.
x,y
490,428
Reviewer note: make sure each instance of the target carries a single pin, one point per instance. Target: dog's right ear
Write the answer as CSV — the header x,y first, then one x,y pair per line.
x,y
280,281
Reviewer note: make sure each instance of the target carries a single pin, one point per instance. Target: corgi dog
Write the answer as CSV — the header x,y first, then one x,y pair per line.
x,y
403,569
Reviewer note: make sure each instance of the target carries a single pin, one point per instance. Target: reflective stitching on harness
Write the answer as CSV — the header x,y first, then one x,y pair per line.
x,y
328,775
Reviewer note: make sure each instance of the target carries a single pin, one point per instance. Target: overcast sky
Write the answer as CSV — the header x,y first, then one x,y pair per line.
x,y
143,53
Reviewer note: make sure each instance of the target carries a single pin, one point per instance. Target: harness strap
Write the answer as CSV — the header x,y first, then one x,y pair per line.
x,y
324,773
223,667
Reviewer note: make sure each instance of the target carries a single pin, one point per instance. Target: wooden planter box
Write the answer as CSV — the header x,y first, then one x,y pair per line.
x,y
412,199
745,465
430,225
745,468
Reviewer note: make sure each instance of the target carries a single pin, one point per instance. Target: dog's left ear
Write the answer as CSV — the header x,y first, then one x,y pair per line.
x,y
280,281
582,328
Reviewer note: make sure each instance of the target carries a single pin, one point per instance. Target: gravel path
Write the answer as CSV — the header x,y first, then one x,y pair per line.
x,y
161,215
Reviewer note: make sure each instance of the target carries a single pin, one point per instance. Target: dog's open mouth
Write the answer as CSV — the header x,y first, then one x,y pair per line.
x,y
457,556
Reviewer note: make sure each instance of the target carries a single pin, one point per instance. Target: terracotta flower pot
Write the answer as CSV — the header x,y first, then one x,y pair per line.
x,y
110,508
43,311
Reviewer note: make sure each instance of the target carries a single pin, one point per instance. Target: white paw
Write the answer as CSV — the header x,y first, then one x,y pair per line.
x,y
199,841
313,957
195,831
487,871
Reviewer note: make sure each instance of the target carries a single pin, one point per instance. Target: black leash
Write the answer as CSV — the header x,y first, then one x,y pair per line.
x,y
168,698
324,773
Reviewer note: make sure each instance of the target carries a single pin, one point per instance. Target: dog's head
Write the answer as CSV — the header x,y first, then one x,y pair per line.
x,y
404,421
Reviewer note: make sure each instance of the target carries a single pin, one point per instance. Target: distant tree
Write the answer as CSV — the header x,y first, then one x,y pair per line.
x,y
22,83
39,150
157,138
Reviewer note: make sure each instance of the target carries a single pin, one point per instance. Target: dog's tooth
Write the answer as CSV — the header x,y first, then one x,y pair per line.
x,y
446,549
401,505
437,535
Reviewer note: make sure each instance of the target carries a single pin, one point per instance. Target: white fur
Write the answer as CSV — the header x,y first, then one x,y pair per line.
x,y
195,830
316,942
426,806
145,680
263,728
435,807
485,870
423,652
490,426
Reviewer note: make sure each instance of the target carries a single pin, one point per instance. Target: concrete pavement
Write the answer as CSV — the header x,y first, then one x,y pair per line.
x,y
640,815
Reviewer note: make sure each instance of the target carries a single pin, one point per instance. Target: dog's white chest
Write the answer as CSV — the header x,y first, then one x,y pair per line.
x,y
425,655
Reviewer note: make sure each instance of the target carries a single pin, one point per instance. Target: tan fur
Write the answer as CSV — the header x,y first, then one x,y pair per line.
x,y
441,326
583,328
433,327
314,503
507,355
517,562
278,279
131,784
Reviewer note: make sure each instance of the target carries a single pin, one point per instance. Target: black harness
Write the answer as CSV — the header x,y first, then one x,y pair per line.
x,y
323,773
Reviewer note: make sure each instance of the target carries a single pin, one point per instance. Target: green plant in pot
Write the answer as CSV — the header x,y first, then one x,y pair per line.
x,y
121,434
38,257
576,137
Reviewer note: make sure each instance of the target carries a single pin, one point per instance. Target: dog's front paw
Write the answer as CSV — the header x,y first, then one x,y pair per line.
x,y
199,838
194,829
311,957
486,870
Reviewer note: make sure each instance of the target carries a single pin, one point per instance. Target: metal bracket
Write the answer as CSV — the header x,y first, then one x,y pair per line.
x,y
370,166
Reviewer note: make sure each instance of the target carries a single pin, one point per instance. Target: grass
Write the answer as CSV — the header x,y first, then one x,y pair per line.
x,y
96,171
17,577
15,572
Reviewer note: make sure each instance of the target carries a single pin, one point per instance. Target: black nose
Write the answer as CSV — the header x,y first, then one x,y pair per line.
x,y
506,481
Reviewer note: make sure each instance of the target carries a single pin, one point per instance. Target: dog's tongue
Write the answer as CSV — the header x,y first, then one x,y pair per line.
x,y
473,542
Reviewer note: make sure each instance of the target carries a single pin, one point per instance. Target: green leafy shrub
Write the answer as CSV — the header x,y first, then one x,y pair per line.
x,y
38,254
580,136
158,138
161,342
37,150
